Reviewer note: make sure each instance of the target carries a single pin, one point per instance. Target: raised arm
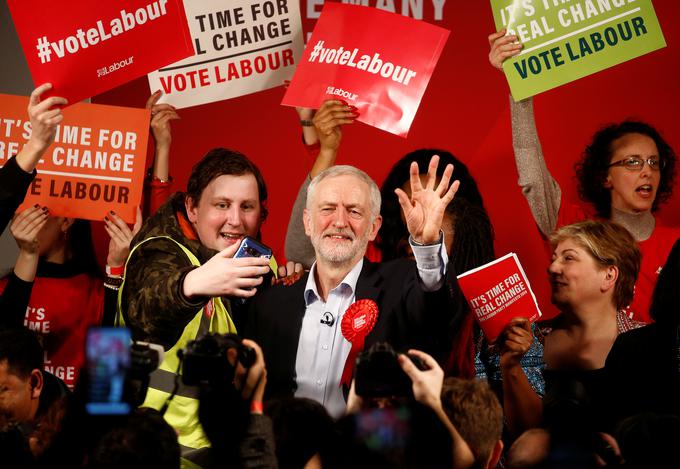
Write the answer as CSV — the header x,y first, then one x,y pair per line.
x,y
328,122
160,185
17,293
427,389
538,186
17,174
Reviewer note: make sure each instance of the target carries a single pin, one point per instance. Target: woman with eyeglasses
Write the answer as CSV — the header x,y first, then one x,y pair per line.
x,y
624,174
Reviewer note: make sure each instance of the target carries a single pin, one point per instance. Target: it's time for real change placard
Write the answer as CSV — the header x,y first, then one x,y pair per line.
x,y
565,40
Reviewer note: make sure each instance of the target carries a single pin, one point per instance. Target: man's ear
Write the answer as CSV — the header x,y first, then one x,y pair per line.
x,y
36,381
192,210
375,227
306,219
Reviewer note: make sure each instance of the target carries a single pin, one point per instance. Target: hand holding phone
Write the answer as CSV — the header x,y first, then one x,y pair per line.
x,y
252,248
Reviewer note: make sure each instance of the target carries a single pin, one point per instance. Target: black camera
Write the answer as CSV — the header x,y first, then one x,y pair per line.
x,y
378,373
205,359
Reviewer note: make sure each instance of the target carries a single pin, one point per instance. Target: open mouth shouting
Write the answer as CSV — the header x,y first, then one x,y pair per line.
x,y
645,190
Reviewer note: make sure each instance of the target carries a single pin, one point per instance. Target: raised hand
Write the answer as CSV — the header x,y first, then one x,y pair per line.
x,y
161,115
502,47
427,384
329,119
26,226
121,237
45,116
252,381
424,209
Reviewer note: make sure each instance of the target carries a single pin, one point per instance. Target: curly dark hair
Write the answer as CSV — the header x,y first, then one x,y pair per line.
x,y
473,240
591,171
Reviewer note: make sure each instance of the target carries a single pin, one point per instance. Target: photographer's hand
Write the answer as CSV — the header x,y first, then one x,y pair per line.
x,y
427,384
251,382
427,389
354,402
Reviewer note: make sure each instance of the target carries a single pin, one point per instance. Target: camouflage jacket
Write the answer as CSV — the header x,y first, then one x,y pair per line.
x,y
152,301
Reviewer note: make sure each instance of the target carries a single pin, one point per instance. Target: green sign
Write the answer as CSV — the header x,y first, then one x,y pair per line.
x,y
565,40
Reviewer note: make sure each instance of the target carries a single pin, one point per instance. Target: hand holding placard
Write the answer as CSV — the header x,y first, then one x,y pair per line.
x,y
514,342
44,117
498,293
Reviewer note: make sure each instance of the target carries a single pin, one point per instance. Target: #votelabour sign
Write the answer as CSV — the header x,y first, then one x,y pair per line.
x,y
242,46
85,48
370,59
565,40
96,163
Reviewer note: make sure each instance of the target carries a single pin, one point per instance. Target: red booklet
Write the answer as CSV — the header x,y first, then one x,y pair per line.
x,y
497,292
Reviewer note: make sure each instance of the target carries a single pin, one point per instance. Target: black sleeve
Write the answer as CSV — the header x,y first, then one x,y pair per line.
x,y
14,301
110,307
14,183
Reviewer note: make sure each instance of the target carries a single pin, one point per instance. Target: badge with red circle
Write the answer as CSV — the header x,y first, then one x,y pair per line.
x,y
357,322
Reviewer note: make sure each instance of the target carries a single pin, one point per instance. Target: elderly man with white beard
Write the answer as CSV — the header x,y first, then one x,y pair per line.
x,y
312,331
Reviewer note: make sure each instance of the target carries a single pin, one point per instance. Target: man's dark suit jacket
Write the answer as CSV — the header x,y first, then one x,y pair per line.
x,y
408,317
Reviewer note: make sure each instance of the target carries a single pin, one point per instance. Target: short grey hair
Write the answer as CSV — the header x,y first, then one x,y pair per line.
x,y
346,170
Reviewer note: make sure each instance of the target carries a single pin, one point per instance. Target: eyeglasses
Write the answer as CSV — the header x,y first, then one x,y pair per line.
x,y
636,164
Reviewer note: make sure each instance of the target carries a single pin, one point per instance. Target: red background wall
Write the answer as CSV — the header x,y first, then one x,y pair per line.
x,y
464,110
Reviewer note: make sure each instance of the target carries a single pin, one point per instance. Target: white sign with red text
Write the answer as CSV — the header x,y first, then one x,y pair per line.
x,y
241,47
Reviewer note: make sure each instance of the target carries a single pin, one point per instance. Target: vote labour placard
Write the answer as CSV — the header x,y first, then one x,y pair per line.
x,y
242,46
379,62
565,41
96,163
497,292
85,48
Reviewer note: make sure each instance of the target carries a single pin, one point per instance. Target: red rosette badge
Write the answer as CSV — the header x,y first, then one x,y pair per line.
x,y
357,322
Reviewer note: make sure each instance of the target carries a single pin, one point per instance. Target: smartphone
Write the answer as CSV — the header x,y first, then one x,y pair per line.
x,y
252,248
107,355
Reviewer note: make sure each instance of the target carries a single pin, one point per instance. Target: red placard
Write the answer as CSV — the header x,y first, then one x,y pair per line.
x,y
379,62
497,292
96,163
85,48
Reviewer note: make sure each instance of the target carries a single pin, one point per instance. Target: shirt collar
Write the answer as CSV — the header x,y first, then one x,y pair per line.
x,y
349,282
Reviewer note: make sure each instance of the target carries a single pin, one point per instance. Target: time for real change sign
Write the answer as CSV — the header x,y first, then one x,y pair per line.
x,y
95,164
567,40
241,47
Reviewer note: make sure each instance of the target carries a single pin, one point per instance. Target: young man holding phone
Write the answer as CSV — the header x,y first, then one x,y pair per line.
x,y
182,276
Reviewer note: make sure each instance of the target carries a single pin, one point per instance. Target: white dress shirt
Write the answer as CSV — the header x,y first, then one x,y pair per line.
x,y
322,349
